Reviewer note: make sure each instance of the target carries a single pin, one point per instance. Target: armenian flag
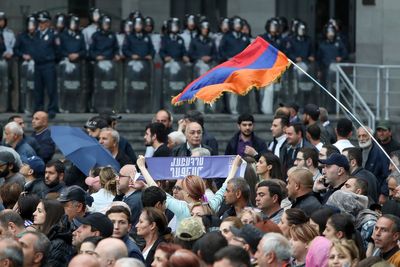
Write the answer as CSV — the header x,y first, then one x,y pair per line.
x,y
258,65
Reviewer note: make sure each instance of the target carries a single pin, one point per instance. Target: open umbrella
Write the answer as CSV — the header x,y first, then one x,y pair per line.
x,y
84,151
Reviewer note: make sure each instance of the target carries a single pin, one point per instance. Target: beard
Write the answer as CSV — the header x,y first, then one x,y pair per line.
x,y
365,144
4,173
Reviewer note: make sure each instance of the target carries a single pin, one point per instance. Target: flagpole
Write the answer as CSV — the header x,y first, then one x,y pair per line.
x,y
347,110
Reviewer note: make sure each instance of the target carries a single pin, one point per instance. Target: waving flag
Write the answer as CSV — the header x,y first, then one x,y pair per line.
x,y
259,65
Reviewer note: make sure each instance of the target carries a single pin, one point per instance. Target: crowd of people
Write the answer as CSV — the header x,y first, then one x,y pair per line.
x,y
311,196
45,42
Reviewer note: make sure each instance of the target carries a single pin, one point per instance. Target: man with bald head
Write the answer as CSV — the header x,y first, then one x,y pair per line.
x,y
109,250
299,186
374,160
165,117
40,125
129,191
84,260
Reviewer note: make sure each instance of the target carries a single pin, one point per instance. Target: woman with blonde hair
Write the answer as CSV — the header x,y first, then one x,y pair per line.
x,y
300,237
250,216
343,253
105,196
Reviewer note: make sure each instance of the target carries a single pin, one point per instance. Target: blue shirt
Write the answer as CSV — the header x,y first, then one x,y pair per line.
x,y
133,249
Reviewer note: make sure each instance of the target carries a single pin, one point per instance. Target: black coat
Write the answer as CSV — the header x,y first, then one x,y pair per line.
x,y
61,249
162,151
307,203
258,144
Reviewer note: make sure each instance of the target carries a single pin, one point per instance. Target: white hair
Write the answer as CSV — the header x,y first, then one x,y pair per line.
x,y
277,243
114,134
178,137
201,151
128,262
14,128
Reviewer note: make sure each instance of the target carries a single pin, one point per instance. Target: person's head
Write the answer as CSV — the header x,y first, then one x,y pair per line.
x,y
319,218
93,224
40,121
339,226
32,167
386,232
269,196
357,186
26,205
336,169
395,156
165,117
310,114
246,237
226,224
300,182
84,260
89,244
108,179
237,190
194,116
9,193
249,216
18,119
393,182
323,114
128,262
326,151
47,214
344,128
154,196
74,199
189,231
318,252
109,250
13,133
200,209
54,173
11,223
193,188
383,132
270,164
152,221
273,249
354,156
11,253
94,125
207,245
246,124
7,164
343,253
176,138
35,246
364,139
184,258
201,152
109,139
300,237
279,125
194,134
232,256
163,253
291,217
124,180
307,157
294,134
313,132
155,132
121,219
177,190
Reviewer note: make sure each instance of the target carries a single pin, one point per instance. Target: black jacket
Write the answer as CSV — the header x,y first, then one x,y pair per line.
x,y
61,250
258,144
162,151
183,151
371,180
307,203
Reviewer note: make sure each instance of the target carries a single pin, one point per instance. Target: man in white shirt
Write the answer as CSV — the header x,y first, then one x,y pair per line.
x,y
344,130
278,127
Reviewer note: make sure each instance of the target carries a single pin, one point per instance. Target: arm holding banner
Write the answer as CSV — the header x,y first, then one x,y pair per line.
x,y
141,163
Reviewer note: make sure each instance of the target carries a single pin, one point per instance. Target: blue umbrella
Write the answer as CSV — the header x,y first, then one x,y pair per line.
x,y
84,151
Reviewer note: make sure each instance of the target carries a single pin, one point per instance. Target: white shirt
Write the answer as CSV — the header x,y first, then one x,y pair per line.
x,y
281,139
342,144
102,199
319,146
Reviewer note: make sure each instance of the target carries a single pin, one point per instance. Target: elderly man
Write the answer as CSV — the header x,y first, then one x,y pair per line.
x,y
74,200
110,250
33,170
374,160
11,224
35,247
40,125
29,139
11,253
386,236
194,133
84,260
273,250
109,139
14,137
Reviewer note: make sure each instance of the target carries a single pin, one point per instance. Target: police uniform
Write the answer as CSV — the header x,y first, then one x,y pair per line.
x,y
138,44
104,43
329,50
299,47
72,42
232,44
44,55
275,40
174,46
202,46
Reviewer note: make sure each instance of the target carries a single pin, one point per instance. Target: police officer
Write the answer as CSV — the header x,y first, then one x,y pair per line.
x,y
149,30
104,42
72,41
190,31
94,16
246,29
272,34
299,48
234,41
126,28
223,28
202,46
138,45
44,55
172,45
7,37
24,44
59,22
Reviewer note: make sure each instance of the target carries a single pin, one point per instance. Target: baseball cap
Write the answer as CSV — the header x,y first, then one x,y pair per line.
x,y
36,164
73,192
96,122
110,113
384,125
98,221
337,159
249,233
312,110
190,229
6,157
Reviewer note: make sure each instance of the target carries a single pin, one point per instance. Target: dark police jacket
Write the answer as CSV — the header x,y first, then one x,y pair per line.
x,y
72,42
44,47
137,44
231,44
174,46
201,46
104,43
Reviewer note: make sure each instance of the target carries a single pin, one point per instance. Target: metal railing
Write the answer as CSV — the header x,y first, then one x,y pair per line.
x,y
374,87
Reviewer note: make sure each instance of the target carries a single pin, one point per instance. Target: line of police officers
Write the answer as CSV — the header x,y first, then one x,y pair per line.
x,y
136,40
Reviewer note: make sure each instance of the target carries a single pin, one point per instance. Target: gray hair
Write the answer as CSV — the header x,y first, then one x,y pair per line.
x,y
277,243
242,185
42,243
114,134
203,152
178,137
395,175
128,262
14,128
12,252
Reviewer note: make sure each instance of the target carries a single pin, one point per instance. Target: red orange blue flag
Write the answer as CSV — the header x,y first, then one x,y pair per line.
x,y
258,65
